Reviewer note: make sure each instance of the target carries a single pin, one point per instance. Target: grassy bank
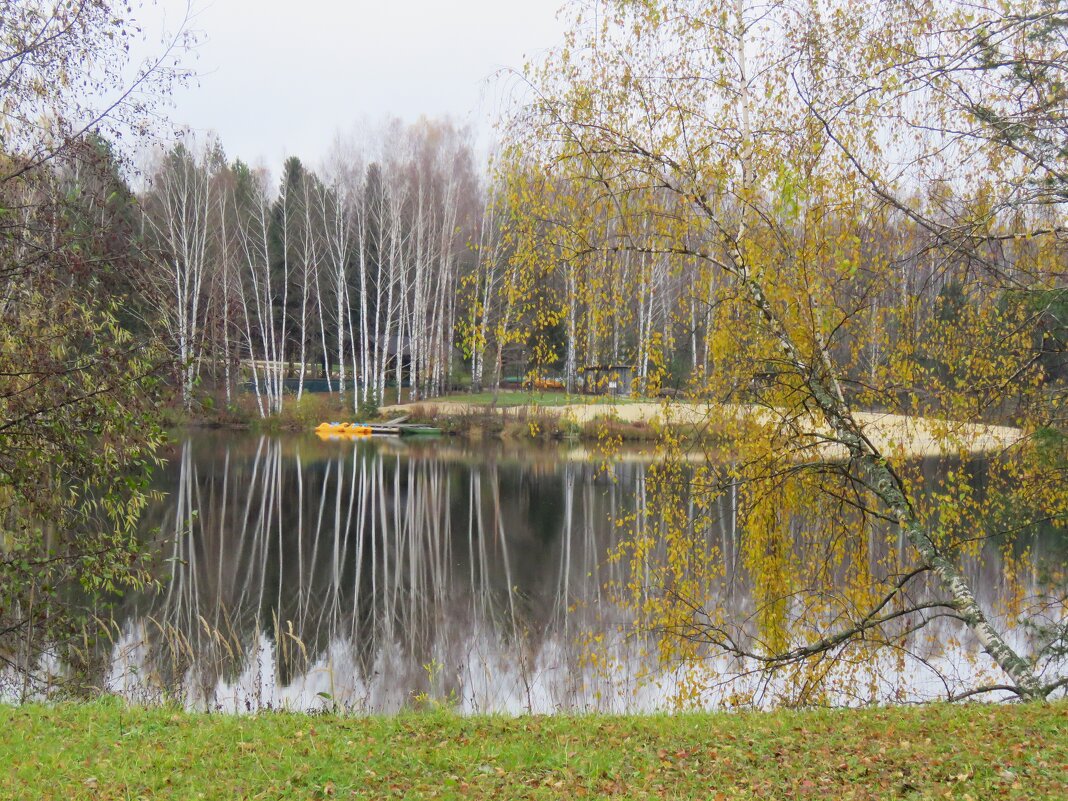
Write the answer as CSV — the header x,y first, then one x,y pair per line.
x,y
558,416
509,415
512,397
523,422
103,750
243,413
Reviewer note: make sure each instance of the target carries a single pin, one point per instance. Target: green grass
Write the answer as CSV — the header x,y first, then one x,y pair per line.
x,y
520,398
314,408
103,750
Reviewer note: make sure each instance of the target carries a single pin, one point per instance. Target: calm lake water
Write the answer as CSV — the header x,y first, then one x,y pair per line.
x,y
383,574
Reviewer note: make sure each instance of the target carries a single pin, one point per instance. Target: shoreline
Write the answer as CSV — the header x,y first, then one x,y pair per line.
x,y
896,434
595,421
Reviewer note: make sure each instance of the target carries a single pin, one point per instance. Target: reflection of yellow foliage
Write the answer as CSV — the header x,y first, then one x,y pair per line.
x,y
767,549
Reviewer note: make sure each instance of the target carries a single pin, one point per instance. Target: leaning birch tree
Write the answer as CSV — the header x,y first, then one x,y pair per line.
x,y
760,141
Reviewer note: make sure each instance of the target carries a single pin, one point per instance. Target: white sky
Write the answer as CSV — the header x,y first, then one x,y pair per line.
x,y
282,77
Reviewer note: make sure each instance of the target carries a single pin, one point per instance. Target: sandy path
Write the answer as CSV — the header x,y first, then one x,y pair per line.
x,y
891,433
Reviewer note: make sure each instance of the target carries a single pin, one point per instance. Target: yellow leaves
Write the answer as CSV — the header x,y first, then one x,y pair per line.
x,y
707,199
768,550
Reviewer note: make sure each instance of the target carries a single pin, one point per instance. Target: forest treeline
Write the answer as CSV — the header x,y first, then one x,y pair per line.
x,y
404,261
258,285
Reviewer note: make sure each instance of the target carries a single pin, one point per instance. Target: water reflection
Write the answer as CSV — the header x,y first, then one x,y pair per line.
x,y
367,575
376,575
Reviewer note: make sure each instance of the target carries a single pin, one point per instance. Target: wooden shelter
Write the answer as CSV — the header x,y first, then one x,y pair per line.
x,y
608,379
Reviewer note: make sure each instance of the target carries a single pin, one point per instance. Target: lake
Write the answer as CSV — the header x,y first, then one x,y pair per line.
x,y
385,574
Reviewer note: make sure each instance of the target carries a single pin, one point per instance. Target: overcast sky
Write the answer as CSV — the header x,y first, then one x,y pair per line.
x,y
281,77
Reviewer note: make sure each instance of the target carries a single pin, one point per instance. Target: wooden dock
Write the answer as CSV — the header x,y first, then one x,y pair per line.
x,y
401,429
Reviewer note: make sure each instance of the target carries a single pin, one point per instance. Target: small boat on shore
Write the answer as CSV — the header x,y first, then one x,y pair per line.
x,y
392,428
350,429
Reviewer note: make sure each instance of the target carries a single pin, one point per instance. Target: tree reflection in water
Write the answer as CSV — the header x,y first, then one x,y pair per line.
x,y
370,576
373,576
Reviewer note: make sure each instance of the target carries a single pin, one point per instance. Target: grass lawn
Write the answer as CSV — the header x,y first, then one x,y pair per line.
x,y
103,750
521,398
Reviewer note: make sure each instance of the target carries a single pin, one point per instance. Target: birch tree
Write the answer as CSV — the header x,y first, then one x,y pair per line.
x,y
334,203
263,322
754,139
483,284
181,218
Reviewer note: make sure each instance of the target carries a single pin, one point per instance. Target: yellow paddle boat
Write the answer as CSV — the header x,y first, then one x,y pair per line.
x,y
327,430
336,427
